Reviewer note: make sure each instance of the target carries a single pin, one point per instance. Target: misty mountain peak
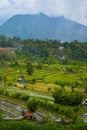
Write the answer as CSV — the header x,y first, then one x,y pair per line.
x,y
41,26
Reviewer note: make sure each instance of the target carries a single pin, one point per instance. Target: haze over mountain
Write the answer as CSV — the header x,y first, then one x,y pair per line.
x,y
41,26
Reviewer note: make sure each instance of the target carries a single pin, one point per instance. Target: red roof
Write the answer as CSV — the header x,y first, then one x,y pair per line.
x,y
28,114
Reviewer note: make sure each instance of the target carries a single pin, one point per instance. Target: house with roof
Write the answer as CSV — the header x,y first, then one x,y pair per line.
x,y
32,116
29,115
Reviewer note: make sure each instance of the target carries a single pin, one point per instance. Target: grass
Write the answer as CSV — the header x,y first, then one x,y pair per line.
x,y
48,77
43,87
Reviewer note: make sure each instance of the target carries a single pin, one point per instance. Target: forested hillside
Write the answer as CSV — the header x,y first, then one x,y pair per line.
x,y
42,50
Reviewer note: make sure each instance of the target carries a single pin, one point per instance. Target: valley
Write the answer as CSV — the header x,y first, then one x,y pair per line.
x,y
46,78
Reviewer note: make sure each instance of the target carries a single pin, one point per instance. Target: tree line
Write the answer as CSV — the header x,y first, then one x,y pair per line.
x,y
45,49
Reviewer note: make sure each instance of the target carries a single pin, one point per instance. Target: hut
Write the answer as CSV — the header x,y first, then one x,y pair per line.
x,y
29,115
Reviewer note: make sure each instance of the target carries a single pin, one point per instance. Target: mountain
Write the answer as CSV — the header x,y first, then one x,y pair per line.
x,y
40,26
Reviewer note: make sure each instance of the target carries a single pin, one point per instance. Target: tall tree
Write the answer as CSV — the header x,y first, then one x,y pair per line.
x,y
30,68
32,105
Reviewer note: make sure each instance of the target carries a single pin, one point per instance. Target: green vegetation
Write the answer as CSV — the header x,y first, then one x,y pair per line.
x,y
45,51
67,98
32,105
30,68
11,125
49,77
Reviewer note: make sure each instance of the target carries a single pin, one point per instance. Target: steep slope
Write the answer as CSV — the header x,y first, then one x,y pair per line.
x,y
41,27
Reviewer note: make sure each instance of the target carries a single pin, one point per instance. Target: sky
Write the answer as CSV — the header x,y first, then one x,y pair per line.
x,y
75,10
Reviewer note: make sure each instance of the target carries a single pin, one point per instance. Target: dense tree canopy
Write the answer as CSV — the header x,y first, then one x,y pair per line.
x,y
45,49
32,105
67,98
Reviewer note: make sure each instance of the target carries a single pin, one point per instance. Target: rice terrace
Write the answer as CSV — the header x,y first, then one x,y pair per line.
x,y
43,65
44,84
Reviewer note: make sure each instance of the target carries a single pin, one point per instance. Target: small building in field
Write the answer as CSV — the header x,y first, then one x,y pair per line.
x,y
32,116
22,80
29,115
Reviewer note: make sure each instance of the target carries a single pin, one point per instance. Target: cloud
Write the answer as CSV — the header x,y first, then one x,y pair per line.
x,y
75,10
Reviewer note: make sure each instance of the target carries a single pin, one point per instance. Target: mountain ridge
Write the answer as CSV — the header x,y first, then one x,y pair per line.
x,y
41,26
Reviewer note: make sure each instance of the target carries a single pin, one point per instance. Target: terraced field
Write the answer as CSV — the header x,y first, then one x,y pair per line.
x,y
10,111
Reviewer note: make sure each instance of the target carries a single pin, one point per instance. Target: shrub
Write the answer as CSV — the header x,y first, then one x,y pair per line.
x,y
6,92
24,97
1,90
32,105
67,98
17,95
